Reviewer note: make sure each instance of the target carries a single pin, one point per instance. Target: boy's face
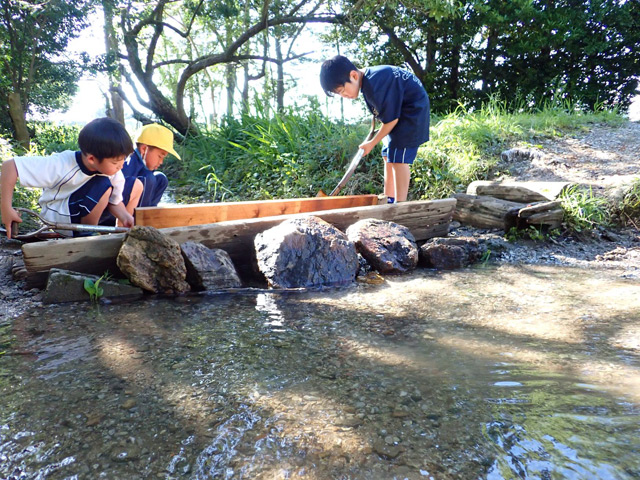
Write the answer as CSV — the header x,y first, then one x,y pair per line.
x,y
152,156
106,166
351,89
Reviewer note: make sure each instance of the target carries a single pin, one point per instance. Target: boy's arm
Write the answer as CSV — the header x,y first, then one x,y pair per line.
x,y
120,212
8,180
385,129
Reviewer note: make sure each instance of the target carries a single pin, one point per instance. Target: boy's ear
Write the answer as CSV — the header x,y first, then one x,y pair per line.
x,y
354,75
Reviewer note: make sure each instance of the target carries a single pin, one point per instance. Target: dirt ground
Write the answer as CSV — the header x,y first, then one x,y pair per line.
x,y
606,158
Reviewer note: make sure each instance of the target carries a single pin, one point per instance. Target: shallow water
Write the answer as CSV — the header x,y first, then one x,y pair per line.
x,y
497,373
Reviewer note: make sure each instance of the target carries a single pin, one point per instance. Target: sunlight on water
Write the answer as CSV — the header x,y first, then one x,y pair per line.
x,y
497,373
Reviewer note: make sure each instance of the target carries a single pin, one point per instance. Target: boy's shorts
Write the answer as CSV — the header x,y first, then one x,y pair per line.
x,y
84,200
399,155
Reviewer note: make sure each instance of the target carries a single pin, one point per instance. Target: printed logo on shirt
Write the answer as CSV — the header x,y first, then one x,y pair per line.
x,y
404,74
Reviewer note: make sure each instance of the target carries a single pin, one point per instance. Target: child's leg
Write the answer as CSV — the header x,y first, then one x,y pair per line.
x,y
155,183
93,217
401,175
134,197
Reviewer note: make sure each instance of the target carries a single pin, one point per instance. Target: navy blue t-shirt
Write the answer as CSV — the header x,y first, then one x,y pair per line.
x,y
393,92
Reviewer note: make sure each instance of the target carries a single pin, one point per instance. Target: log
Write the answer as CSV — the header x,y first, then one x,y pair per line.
x,y
483,211
488,212
523,192
93,255
205,213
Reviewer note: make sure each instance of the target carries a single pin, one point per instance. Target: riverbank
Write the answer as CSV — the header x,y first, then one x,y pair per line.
x,y
603,157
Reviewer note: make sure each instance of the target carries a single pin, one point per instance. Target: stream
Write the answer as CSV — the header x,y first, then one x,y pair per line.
x,y
494,372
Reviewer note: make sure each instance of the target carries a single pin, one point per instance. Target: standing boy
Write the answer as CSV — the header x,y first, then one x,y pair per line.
x,y
396,98
77,186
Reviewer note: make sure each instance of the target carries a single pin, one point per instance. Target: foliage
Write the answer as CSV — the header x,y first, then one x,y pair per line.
x,y
93,288
584,210
585,52
629,208
34,36
537,234
259,157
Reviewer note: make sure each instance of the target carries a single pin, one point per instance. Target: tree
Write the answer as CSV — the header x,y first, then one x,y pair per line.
x,y
145,28
34,76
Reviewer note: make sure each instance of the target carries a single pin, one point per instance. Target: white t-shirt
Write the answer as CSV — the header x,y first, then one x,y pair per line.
x,y
59,175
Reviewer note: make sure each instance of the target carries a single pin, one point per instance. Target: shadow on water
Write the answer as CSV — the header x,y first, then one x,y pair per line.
x,y
497,373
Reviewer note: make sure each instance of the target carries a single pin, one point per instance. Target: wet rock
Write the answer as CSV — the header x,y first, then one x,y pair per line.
x,y
450,253
520,154
385,450
389,248
208,269
305,252
153,261
67,286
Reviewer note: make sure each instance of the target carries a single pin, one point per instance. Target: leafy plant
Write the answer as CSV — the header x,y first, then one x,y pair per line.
x,y
629,208
583,210
94,289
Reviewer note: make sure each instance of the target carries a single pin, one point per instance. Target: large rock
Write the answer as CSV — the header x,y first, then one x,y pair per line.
x,y
389,248
153,261
450,253
305,252
208,268
67,286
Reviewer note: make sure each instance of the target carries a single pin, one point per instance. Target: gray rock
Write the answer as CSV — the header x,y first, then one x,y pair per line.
x,y
153,261
305,252
389,248
67,286
518,154
208,269
450,253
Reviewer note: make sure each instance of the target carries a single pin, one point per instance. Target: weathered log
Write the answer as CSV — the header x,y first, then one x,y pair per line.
x,y
488,212
483,211
425,219
524,192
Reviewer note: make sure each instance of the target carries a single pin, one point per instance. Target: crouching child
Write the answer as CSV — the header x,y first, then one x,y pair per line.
x,y
77,186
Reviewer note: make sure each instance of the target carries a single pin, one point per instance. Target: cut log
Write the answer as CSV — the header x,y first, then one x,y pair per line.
x,y
483,211
425,219
488,212
205,213
523,192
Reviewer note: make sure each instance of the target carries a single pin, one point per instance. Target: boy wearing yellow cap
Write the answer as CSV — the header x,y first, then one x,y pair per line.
x,y
154,142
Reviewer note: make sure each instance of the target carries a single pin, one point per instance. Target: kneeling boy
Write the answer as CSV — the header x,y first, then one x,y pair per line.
x,y
77,186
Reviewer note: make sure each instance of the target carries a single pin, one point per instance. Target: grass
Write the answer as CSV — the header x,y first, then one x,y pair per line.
x,y
585,211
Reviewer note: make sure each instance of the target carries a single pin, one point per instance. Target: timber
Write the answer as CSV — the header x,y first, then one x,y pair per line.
x,y
482,211
523,192
205,213
93,255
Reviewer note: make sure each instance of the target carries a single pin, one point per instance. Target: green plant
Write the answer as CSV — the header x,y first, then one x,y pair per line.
x,y
94,289
583,210
629,208
484,259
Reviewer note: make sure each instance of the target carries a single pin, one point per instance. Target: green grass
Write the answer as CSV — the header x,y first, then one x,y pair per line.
x,y
629,209
585,211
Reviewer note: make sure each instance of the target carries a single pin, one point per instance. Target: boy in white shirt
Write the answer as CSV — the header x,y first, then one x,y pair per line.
x,y
77,186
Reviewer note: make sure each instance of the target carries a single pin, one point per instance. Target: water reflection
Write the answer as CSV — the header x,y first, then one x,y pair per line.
x,y
513,372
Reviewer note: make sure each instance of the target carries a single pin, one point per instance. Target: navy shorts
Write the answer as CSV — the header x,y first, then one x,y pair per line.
x,y
400,155
84,200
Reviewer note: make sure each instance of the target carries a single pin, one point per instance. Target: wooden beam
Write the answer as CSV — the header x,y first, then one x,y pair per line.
x,y
523,192
425,219
206,213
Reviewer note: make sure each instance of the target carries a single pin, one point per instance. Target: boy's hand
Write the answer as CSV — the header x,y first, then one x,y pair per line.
x,y
368,146
9,217
120,212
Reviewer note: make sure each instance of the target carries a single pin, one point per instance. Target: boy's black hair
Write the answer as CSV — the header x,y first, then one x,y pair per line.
x,y
105,138
335,73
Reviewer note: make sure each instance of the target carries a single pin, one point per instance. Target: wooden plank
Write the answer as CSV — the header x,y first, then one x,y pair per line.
x,y
524,192
425,219
484,212
206,213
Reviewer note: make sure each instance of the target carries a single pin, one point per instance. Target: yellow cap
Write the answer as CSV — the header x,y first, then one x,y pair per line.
x,y
158,136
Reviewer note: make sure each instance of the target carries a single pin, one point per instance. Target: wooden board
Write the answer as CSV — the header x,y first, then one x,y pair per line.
x,y
425,219
524,192
206,213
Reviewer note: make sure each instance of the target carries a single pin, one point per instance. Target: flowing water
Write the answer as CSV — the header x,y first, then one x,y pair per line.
x,y
496,372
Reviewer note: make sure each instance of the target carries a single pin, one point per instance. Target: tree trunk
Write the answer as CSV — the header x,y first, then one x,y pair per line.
x,y
280,76
21,133
116,108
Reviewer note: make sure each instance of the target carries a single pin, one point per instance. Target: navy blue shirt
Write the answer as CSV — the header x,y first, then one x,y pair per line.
x,y
393,92
134,166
